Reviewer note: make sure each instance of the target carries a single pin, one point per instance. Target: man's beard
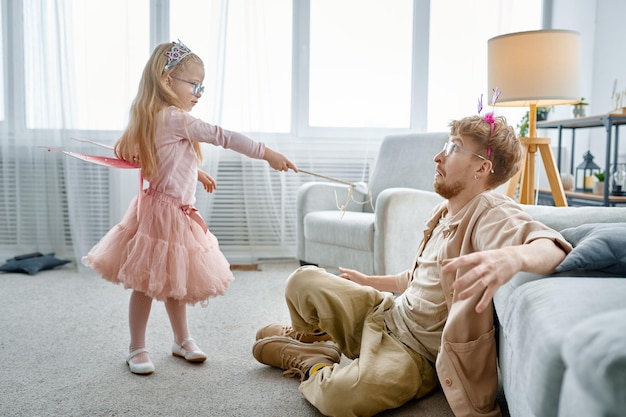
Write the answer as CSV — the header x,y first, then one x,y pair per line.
x,y
448,191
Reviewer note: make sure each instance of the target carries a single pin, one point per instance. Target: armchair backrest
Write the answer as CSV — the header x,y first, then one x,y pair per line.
x,y
406,160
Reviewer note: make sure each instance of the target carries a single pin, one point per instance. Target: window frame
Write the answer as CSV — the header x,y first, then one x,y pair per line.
x,y
15,101
300,77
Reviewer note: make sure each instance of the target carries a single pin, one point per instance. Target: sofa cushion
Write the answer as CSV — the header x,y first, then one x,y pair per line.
x,y
560,218
595,357
352,229
32,263
600,246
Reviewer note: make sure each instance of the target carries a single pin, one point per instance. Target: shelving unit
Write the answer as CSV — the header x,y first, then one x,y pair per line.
x,y
611,123
576,198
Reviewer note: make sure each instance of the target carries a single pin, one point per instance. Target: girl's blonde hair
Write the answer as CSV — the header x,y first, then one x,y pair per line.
x,y
501,146
153,95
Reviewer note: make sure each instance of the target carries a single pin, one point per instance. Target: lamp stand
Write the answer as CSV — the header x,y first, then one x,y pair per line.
x,y
531,145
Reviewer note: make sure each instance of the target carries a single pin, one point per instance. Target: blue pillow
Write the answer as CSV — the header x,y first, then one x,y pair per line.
x,y
598,246
32,263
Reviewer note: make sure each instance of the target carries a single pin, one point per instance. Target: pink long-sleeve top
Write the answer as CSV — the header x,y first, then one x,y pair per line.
x,y
177,174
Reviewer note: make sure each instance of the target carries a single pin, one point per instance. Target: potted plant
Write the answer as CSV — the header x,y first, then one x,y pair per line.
x,y
522,127
579,108
598,187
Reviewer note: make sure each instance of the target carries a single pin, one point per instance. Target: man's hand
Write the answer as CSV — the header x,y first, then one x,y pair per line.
x,y
486,272
380,282
353,275
489,270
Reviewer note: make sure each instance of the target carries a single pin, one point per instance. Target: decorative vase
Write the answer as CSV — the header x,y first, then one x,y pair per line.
x,y
618,179
598,187
567,180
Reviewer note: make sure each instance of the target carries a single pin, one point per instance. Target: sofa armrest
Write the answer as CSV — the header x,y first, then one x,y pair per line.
x,y
320,196
595,362
401,215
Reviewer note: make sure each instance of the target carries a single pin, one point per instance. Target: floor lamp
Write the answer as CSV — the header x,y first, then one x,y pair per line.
x,y
535,68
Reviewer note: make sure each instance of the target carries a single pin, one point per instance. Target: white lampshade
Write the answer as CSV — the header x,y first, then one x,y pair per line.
x,y
538,67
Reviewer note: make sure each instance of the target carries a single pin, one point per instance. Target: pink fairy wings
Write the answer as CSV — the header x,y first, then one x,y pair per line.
x,y
99,160
107,162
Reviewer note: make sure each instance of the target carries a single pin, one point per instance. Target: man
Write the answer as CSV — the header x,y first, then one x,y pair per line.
x,y
441,325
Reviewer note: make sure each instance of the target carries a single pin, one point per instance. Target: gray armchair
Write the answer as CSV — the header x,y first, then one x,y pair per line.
x,y
384,241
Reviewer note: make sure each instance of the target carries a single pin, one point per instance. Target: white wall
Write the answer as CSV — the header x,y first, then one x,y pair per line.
x,y
609,60
601,25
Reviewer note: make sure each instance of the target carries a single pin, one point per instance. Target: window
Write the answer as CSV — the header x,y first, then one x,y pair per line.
x,y
347,75
88,69
355,64
246,49
360,63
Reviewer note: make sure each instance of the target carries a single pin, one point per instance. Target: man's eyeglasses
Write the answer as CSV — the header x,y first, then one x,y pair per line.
x,y
197,87
451,147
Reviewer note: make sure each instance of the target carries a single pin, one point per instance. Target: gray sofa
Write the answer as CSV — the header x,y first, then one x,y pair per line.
x,y
380,241
562,338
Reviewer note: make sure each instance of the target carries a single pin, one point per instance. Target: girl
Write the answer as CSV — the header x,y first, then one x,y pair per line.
x,y
162,249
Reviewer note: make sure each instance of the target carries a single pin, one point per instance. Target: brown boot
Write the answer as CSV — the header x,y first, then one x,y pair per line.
x,y
294,357
279,329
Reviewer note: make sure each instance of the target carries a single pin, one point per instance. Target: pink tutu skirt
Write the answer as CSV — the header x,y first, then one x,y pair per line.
x,y
162,251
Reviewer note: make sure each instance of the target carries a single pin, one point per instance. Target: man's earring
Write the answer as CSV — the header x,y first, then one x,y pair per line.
x,y
475,177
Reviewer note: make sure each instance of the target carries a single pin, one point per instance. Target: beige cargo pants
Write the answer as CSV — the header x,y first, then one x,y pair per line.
x,y
384,373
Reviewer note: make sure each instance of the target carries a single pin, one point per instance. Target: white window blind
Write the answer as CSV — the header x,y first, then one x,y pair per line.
x,y
252,223
242,214
89,192
34,204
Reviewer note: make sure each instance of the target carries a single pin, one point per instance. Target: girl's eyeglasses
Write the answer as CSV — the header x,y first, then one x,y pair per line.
x,y
451,147
197,87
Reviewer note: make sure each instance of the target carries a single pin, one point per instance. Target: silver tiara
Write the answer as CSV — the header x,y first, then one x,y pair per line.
x,y
177,52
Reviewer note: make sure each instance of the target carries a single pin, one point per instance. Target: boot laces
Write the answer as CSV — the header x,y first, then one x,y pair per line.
x,y
290,332
294,366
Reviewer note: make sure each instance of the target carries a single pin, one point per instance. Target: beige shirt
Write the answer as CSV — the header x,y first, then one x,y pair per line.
x,y
467,360
419,313
177,175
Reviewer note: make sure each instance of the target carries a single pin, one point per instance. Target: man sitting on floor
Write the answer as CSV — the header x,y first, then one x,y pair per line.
x,y
441,325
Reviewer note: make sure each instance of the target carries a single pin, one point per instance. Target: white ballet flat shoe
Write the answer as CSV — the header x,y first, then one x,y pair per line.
x,y
190,355
143,368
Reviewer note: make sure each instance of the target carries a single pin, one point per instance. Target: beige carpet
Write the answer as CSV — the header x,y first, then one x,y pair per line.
x,y
65,337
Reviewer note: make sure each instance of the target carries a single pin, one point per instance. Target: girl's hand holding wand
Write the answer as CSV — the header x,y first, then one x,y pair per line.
x,y
278,161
